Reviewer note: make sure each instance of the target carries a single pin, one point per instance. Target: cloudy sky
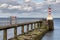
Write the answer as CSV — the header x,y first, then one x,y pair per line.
x,y
29,8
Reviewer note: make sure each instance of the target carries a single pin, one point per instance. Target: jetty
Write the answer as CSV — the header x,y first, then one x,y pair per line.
x,y
38,30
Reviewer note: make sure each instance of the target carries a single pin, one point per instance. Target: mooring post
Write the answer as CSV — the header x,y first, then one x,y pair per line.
x,y
5,34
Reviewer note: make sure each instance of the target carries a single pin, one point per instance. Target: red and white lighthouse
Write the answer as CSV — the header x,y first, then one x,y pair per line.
x,y
50,20
49,17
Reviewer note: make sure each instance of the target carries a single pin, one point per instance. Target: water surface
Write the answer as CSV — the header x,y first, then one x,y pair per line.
x,y
54,35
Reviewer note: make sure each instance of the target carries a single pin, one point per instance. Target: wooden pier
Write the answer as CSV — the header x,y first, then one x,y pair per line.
x,y
40,28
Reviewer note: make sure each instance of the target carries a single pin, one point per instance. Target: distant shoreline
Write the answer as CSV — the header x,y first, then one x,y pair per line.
x,y
29,18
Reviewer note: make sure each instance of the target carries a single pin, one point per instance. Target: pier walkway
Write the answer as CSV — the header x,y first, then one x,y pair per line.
x,y
38,30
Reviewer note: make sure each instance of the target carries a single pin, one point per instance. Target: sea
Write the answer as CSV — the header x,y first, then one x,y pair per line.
x,y
53,35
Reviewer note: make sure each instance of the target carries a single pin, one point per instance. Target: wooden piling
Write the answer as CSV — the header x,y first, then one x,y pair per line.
x,y
41,24
15,32
34,25
5,34
27,27
38,24
22,29
31,26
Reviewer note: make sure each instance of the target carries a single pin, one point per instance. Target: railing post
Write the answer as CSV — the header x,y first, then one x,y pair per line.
x,y
5,34
40,23
22,29
15,32
34,25
37,25
27,27
31,26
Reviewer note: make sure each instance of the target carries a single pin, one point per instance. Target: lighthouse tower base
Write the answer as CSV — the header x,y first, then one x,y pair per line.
x,y
50,25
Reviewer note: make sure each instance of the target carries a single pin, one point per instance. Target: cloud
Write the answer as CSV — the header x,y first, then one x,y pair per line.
x,y
15,7
27,0
35,7
10,2
3,5
24,8
12,7
4,1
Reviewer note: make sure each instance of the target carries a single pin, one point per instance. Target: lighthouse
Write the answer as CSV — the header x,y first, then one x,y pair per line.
x,y
50,19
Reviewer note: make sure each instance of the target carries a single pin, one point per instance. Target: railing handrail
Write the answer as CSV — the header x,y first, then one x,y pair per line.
x,y
16,25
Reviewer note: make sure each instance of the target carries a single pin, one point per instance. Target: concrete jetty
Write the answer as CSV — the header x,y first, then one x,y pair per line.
x,y
40,29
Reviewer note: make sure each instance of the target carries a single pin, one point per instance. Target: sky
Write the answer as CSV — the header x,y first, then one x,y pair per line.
x,y
29,8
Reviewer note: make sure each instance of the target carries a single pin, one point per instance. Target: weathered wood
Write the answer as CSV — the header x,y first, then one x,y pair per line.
x,y
31,26
27,27
15,32
37,24
5,34
15,25
34,25
41,24
22,29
